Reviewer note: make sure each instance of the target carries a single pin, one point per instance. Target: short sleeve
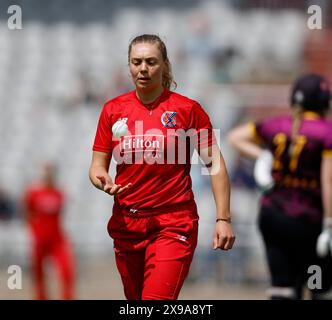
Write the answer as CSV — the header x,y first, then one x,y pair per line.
x,y
201,127
257,132
103,138
327,147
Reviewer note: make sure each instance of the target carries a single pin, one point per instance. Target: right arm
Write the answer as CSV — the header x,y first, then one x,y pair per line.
x,y
326,184
101,159
99,168
324,241
242,139
99,176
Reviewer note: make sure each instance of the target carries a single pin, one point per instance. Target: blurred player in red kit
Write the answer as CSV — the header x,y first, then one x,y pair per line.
x,y
155,221
44,202
295,168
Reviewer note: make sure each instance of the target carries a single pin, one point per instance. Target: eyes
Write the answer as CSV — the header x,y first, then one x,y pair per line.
x,y
149,61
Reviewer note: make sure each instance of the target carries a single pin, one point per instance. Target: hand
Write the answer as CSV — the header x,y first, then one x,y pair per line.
x,y
111,188
263,171
223,236
324,241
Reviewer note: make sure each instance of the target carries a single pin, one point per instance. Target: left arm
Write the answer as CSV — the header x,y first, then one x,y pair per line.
x,y
241,138
223,235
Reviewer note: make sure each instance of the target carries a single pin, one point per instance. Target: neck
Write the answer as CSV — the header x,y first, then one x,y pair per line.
x,y
149,97
48,184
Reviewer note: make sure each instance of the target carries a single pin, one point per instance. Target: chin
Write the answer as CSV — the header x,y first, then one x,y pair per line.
x,y
145,88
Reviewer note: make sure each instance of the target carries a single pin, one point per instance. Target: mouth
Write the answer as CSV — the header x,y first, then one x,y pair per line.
x,y
143,79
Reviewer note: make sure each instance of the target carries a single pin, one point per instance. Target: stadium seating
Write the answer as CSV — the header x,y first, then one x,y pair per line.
x,y
43,114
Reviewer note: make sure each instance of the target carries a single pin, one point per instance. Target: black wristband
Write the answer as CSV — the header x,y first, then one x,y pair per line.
x,y
229,220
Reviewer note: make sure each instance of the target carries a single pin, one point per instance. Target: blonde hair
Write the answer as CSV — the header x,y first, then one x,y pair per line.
x,y
297,120
167,77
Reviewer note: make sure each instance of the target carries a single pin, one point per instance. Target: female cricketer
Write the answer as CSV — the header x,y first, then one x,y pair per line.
x,y
151,133
43,202
296,211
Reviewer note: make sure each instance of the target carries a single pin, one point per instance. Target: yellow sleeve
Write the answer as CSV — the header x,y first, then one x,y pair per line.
x,y
254,134
327,153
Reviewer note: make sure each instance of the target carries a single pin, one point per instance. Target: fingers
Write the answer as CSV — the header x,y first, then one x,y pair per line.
x,y
229,243
103,181
101,178
215,243
223,242
106,184
219,242
124,188
112,189
116,189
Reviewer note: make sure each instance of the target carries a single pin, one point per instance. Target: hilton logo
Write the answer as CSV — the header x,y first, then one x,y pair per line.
x,y
138,143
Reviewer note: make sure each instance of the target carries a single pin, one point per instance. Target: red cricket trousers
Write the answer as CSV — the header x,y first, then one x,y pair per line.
x,y
153,252
59,249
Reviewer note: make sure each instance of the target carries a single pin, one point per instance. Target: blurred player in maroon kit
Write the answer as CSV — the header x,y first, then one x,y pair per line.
x,y
296,209
155,222
44,202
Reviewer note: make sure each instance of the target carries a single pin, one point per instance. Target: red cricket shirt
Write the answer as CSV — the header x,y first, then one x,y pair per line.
x,y
155,153
44,205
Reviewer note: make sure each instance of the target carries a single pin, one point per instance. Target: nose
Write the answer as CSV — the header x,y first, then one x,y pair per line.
x,y
144,66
